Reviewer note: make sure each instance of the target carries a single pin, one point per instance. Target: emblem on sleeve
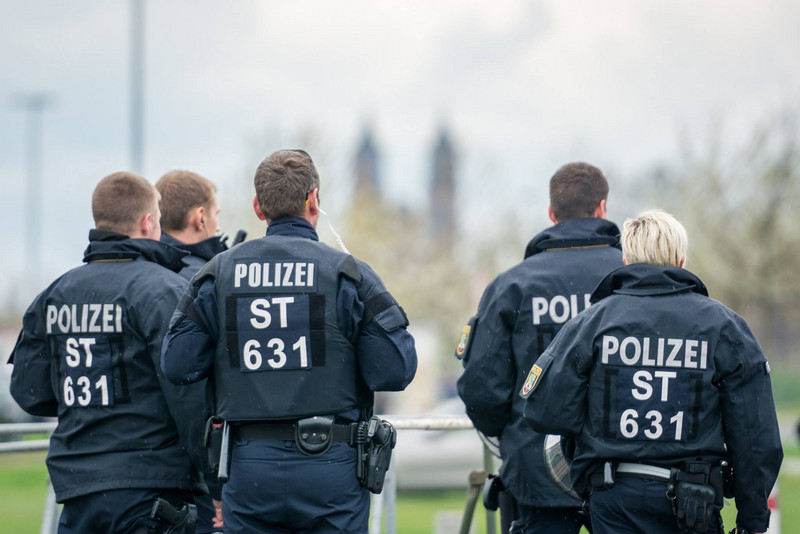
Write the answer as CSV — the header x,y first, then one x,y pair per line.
x,y
463,341
531,381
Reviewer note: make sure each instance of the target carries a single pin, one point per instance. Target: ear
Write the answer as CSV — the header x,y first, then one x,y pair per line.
x,y
147,228
683,262
600,210
312,203
196,219
257,209
551,214
311,212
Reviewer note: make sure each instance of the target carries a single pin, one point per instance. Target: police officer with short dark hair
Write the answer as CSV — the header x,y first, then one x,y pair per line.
x,y
663,390
519,313
296,337
89,353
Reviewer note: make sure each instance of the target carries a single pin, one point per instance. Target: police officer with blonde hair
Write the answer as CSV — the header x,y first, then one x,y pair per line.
x,y
665,392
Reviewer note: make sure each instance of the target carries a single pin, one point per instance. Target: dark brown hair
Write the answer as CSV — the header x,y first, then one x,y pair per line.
x,y
283,181
576,189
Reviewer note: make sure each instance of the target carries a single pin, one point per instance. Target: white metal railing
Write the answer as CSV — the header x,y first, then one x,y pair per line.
x,y
26,428
384,505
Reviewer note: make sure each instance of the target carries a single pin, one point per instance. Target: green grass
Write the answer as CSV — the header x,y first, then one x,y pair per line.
x,y
23,487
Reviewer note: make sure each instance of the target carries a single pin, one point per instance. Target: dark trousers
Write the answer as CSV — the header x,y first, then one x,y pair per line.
x,y
533,520
205,506
636,506
205,514
120,511
276,489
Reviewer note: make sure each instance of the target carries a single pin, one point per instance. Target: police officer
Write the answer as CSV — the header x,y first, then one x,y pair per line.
x,y
189,222
296,337
660,386
519,313
88,353
189,217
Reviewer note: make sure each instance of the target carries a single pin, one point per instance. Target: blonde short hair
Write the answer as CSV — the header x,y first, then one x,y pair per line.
x,y
182,191
120,200
654,237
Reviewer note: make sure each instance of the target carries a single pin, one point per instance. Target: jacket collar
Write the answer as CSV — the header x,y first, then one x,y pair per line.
x,y
642,279
105,245
292,227
206,249
581,232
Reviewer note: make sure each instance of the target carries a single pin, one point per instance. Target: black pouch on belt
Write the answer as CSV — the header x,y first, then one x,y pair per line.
x,y
491,491
694,506
694,499
314,435
213,442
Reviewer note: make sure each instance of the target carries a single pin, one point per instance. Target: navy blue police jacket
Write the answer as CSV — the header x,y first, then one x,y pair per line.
x,y
384,356
199,253
88,353
518,315
657,372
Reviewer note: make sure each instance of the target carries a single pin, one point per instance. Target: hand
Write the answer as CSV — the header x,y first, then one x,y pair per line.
x,y
216,521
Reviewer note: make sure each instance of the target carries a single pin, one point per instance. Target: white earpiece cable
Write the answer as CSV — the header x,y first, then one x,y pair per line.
x,y
338,237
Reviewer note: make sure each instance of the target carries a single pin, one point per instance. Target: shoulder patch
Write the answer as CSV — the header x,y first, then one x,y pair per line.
x,y
463,341
462,348
531,381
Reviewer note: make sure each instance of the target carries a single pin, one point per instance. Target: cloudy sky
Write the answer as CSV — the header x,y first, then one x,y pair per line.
x,y
523,86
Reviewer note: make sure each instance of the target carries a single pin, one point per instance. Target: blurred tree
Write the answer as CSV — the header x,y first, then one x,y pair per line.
x,y
422,275
741,208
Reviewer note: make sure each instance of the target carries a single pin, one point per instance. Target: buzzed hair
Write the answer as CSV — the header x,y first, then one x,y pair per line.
x,y
120,200
576,189
654,237
181,192
283,181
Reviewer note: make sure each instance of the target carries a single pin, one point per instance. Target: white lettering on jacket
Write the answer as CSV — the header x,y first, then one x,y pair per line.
x,y
655,352
84,318
273,274
559,308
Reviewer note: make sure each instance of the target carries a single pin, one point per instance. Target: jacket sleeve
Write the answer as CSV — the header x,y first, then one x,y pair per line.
x,y
556,387
31,378
373,320
186,403
750,424
188,350
489,377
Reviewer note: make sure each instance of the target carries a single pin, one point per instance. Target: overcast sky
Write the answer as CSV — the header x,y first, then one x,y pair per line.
x,y
523,86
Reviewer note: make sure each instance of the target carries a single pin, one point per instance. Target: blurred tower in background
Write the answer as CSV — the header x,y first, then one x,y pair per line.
x,y
442,205
367,178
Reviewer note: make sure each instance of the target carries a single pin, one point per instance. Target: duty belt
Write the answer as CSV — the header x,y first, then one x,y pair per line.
x,y
650,472
287,431
605,478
